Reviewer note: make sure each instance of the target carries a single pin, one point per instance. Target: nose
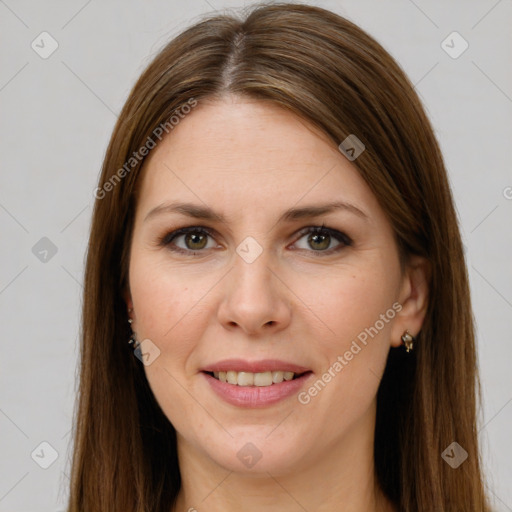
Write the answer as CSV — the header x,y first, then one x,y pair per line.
x,y
255,298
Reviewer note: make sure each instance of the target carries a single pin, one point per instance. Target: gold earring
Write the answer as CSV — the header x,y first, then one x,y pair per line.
x,y
408,340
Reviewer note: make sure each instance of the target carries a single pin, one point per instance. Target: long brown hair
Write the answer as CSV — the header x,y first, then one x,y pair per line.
x,y
325,69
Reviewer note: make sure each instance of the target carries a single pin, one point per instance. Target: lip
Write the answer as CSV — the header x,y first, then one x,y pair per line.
x,y
256,396
240,365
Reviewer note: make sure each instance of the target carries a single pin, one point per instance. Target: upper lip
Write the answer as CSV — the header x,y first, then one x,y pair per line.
x,y
241,365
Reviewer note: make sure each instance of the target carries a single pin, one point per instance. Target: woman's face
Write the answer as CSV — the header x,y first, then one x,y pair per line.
x,y
252,283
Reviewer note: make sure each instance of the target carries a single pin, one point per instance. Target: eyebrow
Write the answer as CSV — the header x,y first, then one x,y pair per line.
x,y
206,213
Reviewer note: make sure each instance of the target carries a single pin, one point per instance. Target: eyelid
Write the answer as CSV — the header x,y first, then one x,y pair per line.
x,y
171,235
335,233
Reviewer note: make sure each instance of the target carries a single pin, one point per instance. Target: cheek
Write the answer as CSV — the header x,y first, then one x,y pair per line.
x,y
356,313
171,311
167,300
349,300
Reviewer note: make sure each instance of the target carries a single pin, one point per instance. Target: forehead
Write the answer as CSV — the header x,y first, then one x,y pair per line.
x,y
248,154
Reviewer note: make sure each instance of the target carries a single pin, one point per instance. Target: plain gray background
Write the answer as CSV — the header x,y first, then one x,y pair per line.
x,y
56,119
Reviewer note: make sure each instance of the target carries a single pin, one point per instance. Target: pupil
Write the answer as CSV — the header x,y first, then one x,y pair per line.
x,y
325,238
194,239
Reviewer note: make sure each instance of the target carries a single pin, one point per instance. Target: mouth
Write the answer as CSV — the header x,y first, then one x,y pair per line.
x,y
259,379
255,384
256,390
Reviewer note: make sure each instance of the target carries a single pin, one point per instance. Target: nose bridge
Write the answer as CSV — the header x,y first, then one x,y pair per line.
x,y
252,272
253,297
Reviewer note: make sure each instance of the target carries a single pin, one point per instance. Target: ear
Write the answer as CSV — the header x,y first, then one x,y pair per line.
x,y
413,297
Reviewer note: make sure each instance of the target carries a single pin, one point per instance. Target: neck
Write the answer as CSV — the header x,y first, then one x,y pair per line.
x,y
340,478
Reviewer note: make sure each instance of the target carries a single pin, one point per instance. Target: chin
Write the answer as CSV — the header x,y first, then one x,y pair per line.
x,y
256,454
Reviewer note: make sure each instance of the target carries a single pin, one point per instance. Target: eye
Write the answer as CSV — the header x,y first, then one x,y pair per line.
x,y
320,239
194,238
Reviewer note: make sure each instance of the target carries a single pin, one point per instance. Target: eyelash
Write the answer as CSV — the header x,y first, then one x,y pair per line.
x,y
345,241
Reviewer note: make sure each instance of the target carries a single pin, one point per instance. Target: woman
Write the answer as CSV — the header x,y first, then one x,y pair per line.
x,y
276,306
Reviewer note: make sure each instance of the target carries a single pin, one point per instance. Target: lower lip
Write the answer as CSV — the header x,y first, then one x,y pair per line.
x,y
256,396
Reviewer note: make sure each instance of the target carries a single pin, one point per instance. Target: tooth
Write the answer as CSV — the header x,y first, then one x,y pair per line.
x,y
277,377
231,377
263,379
245,379
254,379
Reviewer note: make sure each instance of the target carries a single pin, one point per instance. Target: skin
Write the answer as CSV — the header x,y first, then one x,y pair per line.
x,y
250,161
